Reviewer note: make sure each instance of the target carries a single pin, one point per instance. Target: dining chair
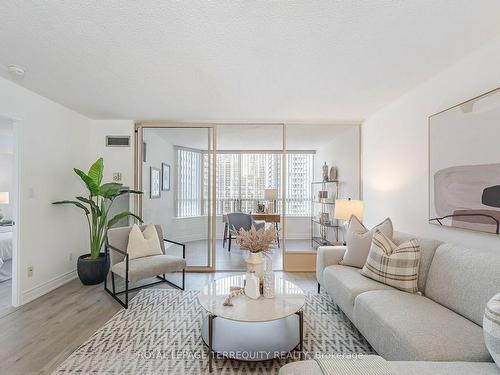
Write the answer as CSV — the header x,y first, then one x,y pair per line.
x,y
239,220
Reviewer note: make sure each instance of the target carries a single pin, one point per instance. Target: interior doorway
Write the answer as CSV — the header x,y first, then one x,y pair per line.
x,y
8,215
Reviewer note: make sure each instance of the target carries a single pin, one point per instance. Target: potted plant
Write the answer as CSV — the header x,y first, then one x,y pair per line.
x,y
93,268
257,242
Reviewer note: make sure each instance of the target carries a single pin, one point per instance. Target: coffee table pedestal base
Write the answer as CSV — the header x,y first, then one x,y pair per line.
x,y
249,341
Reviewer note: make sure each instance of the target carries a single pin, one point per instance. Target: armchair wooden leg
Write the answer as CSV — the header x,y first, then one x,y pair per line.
x,y
319,288
229,248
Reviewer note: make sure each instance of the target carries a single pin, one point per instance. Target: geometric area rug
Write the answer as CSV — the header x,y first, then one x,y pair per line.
x,y
160,334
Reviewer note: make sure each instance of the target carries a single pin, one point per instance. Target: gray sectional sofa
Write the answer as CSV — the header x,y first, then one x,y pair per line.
x,y
444,324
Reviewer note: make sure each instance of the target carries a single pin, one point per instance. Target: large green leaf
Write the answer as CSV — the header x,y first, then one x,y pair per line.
x,y
77,204
110,190
95,208
127,191
120,216
96,171
91,185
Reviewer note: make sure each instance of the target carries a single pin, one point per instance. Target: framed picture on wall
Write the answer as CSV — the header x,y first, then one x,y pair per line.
x,y
464,165
165,173
154,183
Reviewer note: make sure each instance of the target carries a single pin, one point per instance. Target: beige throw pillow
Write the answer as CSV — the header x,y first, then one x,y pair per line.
x,y
359,240
143,244
394,265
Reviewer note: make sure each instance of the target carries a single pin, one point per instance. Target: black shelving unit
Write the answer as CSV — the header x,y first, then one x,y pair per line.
x,y
324,206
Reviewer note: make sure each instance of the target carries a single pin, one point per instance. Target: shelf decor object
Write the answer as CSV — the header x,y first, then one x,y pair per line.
x,y
333,174
325,172
322,211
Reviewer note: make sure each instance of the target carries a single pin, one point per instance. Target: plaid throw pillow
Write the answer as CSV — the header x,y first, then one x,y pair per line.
x,y
396,266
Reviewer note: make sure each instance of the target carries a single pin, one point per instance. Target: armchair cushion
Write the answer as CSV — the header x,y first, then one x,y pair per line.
x,y
143,244
151,266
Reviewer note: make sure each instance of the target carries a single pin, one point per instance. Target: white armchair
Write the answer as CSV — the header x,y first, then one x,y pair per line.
x,y
327,256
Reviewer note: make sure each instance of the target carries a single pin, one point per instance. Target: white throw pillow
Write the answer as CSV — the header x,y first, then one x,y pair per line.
x,y
359,241
143,244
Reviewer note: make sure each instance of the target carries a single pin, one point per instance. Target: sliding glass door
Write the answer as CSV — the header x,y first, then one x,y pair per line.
x,y
194,176
176,177
249,176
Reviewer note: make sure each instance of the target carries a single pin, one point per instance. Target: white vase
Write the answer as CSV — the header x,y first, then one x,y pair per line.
x,y
269,279
255,264
252,286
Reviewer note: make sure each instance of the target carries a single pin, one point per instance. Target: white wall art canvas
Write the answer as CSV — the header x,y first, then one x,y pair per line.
x,y
154,183
464,165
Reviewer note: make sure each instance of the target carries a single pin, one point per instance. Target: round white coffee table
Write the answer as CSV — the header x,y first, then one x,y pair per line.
x,y
252,330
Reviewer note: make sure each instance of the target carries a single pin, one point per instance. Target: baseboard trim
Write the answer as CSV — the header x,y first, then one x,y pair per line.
x,y
48,286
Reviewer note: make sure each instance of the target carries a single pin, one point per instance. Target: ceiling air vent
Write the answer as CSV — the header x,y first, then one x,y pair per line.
x,y
117,141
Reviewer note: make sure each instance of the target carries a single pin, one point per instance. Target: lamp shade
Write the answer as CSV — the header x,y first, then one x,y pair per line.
x,y
270,194
345,208
4,197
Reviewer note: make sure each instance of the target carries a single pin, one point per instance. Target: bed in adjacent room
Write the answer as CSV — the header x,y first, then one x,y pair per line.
x,y
5,253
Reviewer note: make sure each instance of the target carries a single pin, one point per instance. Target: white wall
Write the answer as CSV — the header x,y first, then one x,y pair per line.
x,y
116,159
51,141
395,147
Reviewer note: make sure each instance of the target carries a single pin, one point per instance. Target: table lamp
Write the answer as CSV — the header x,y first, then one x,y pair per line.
x,y
345,208
270,195
4,199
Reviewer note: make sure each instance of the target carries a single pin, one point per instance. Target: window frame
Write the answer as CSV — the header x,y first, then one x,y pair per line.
x,y
280,178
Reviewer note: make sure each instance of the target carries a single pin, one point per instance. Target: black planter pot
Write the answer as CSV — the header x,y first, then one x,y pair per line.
x,y
92,271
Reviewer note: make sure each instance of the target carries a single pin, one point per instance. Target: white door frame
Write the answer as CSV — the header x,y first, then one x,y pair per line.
x,y
16,209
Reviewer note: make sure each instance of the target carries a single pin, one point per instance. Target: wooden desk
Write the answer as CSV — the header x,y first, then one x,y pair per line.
x,y
268,218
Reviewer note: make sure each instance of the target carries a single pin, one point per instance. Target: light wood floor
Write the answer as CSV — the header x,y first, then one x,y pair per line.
x,y
5,294
38,336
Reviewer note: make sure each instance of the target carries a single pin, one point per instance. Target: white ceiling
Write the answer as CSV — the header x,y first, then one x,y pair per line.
x,y
237,60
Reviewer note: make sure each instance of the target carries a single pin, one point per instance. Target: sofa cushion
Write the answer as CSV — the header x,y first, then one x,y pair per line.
x,y
311,367
464,280
427,249
359,240
344,284
151,266
402,326
393,265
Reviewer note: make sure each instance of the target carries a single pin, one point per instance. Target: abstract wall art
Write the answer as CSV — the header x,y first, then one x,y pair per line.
x,y
464,165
